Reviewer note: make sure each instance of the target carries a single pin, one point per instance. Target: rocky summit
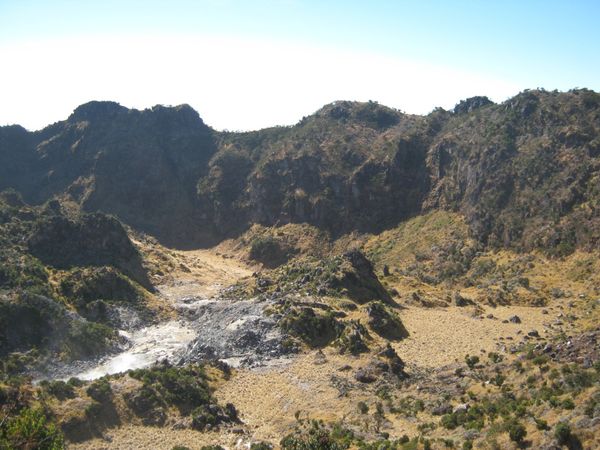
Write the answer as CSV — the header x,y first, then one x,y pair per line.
x,y
363,279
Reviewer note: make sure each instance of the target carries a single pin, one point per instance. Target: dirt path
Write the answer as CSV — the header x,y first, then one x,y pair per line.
x,y
202,273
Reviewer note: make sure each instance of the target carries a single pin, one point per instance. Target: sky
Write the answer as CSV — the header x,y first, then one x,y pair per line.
x,y
246,65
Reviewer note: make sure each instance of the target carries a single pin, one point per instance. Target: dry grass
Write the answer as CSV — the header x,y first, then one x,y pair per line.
x,y
440,335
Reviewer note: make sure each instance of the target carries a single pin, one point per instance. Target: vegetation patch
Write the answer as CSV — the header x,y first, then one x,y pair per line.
x,y
314,328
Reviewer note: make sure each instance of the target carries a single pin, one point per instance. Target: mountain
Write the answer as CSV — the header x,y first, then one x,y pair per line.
x,y
524,173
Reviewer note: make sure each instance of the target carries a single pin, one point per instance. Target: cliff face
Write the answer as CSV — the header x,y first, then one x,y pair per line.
x,y
139,165
524,173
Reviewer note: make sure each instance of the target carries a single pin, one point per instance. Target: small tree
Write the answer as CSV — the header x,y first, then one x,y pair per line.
x,y
472,361
363,408
516,432
562,433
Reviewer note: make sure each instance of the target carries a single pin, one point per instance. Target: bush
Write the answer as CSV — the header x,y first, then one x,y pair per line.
x,y
100,390
352,338
471,361
541,424
562,433
498,380
76,382
592,406
30,430
207,417
261,446
314,436
93,410
314,329
87,339
494,357
516,432
473,418
269,251
363,408
58,389
386,322
184,387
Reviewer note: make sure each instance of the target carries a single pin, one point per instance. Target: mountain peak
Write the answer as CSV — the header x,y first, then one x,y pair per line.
x,y
183,114
370,113
471,104
96,109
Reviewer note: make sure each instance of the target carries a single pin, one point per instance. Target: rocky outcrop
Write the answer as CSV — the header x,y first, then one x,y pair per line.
x,y
357,279
35,321
385,323
142,166
471,104
91,240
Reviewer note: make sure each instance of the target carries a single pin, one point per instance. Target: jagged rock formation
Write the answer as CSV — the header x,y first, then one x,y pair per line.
x,y
524,173
92,240
141,166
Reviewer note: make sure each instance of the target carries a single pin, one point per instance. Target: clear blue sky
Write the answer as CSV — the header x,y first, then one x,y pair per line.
x,y
528,44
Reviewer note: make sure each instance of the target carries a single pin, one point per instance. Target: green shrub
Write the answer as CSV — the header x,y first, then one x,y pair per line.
x,y
362,408
516,432
471,361
58,389
100,390
315,436
93,410
261,446
448,443
385,322
316,330
76,382
592,406
87,339
352,338
562,433
449,421
494,357
499,379
541,424
30,430
183,387
269,251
